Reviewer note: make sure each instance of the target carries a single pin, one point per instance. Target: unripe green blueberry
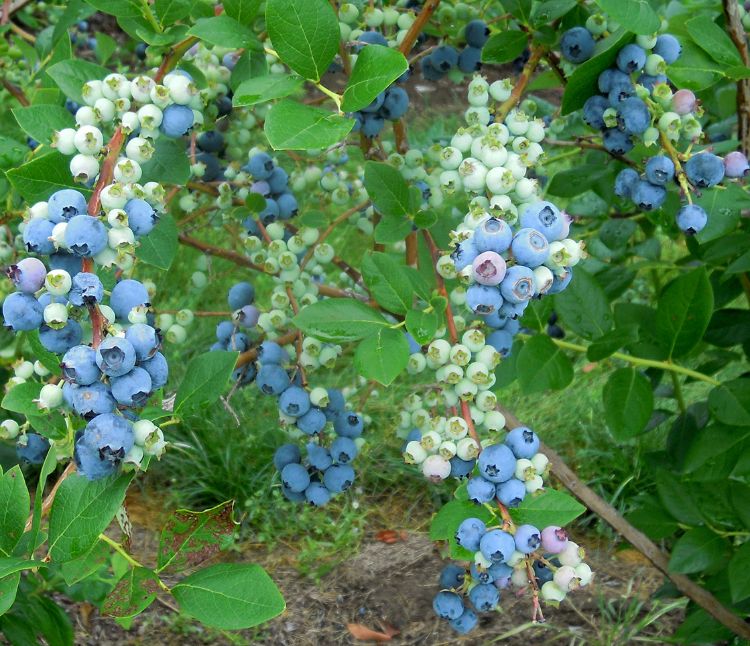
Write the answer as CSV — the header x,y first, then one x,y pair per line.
x,y
534,484
447,449
551,593
414,453
430,441
185,317
486,401
390,16
456,428
40,369
199,279
324,253
176,334
58,282
597,24
56,316
9,429
460,354
466,390
478,373
439,351
467,448
50,396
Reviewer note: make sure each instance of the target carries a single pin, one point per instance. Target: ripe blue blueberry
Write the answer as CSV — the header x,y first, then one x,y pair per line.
x,y
294,401
469,533
396,103
86,289
278,180
240,294
448,605
272,379
466,252
620,91
260,166
518,285
211,141
312,422
92,400
177,120
561,282
79,365
343,450
461,468
492,234
530,247
609,77
483,299
224,331
295,477
497,545
631,58
238,342
466,622
476,33
593,111
633,115
659,170
37,236
126,295
527,538
317,494
338,478
691,218
115,356
735,164
452,576
480,490
85,236
511,492
497,463
577,45
617,142
288,206
372,125
348,424
668,47
141,216
470,60
61,340
35,449
648,196
704,170
67,261
158,370
132,389
523,442
111,435
145,340
625,181
293,496
484,597
286,454
22,312
546,218
65,204
502,341
444,57
429,70
318,456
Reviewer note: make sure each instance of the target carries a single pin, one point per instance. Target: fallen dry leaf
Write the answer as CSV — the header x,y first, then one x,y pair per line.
x,y
390,536
363,633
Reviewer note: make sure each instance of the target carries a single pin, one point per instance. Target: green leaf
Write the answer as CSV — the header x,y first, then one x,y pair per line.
x,y
20,398
41,121
550,508
304,33
652,520
377,67
339,320
696,550
723,209
169,164
382,356
75,10
616,233
51,621
542,366
611,342
551,10
446,521
628,403
266,88
713,40
70,76
97,559
384,278
36,180
105,47
159,247
387,189
694,69
583,82
190,537
634,15
11,565
222,30
676,498
119,8
392,228
230,596
132,594
30,540
294,126
8,589
422,325
504,47
730,402
425,219
81,511
205,379
15,504
169,11
684,311
739,582
711,442
584,307
243,11
577,180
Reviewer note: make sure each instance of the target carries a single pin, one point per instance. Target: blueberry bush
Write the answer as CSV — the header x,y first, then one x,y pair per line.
x,y
588,201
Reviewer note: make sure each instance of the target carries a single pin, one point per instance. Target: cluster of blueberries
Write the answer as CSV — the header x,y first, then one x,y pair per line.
x,y
502,558
271,181
325,471
508,268
125,368
618,111
391,104
444,58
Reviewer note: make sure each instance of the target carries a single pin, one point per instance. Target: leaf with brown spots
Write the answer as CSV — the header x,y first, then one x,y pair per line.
x,y
191,537
363,633
133,593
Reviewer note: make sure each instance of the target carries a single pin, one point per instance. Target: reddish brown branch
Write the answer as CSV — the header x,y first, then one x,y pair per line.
x,y
435,255
107,170
16,92
417,26
50,498
520,87
173,57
